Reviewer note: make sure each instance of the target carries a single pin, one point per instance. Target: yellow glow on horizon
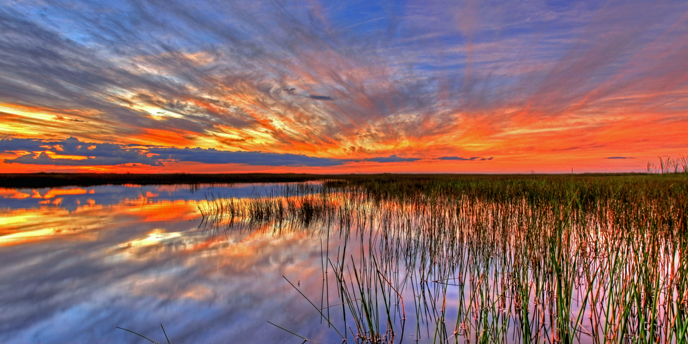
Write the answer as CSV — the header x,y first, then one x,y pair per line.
x,y
54,155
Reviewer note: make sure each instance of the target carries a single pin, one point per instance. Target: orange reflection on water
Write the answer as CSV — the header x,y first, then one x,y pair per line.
x,y
24,226
144,253
52,193
11,193
149,211
63,192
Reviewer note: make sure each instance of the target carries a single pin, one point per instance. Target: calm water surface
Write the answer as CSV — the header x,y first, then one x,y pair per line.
x,y
79,261
214,264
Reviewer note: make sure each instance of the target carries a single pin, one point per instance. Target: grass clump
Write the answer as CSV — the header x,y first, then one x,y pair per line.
x,y
491,259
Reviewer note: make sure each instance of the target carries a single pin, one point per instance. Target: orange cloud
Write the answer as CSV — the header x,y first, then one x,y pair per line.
x,y
12,193
62,192
538,88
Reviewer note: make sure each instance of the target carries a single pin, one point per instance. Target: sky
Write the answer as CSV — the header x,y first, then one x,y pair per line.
x,y
153,86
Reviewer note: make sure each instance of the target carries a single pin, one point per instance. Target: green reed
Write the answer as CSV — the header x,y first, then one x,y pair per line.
x,y
485,259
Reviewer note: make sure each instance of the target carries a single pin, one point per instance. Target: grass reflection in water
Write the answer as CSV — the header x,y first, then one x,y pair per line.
x,y
553,259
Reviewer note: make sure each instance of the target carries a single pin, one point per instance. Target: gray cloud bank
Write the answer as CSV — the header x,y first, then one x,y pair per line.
x,y
115,154
99,154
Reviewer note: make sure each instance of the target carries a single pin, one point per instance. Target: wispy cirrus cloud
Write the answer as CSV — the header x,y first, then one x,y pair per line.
x,y
422,80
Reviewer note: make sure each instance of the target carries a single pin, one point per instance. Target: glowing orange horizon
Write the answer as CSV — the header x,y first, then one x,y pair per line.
x,y
577,142
600,89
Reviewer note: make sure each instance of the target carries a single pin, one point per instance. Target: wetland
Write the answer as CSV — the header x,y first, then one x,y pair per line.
x,y
356,259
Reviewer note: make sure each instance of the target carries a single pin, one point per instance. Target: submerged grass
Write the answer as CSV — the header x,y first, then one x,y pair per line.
x,y
485,259
146,338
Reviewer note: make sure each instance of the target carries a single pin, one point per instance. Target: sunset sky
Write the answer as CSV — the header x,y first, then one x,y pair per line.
x,y
342,86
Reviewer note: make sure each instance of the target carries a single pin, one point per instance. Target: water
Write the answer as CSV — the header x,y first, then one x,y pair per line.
x,y
218,264
78,262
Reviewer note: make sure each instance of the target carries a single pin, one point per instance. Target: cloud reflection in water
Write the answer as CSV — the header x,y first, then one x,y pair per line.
x,y
74,275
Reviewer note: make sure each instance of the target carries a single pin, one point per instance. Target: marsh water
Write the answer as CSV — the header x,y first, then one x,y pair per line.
x,y
281,263
79,261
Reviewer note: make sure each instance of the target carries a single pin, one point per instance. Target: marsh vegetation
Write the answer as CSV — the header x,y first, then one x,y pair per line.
x,y
486,259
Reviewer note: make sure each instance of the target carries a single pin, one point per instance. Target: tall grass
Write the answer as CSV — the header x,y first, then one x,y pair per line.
x,y
669,165
553,259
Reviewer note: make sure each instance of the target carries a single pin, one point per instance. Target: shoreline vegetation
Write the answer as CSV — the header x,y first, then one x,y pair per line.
x,y
43,180
452,258
666,166
488,259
